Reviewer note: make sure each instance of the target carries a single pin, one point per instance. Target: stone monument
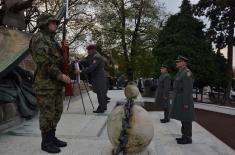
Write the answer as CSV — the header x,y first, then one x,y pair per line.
x,y
140,131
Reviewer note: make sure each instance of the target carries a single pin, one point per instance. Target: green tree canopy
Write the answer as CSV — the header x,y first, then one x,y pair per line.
x,y
221,14
128,30
183,35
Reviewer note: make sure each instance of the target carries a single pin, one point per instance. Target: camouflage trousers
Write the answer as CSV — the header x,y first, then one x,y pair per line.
x,y
51,107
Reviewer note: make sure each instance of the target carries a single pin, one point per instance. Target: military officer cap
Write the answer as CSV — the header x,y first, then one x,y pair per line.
x,y
164,66
182,58
45,18
91,46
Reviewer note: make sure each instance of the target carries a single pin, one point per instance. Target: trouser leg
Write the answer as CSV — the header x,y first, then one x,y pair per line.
x,y
47,110
102,100
166,113
46,104
58,109
186,129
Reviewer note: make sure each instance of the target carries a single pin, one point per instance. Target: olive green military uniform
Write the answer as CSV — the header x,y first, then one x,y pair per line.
x,y
47,54
98,79
162,93
183,86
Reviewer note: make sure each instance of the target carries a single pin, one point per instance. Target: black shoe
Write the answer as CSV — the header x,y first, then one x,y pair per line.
x,y
57,142
185,141
98,111
48,145
108,98
165,120
178,139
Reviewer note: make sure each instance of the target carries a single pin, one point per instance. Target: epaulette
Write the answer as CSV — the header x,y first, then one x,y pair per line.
x,y
188,72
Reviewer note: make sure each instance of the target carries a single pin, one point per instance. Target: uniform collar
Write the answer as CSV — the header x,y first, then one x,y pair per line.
x,y
182,69
91,55
164,73
48,34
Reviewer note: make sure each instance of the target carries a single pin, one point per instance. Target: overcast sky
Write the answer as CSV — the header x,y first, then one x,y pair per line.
x,y
172,6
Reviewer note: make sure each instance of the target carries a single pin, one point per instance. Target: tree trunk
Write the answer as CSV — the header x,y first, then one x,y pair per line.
x,y
46,5
123,34
218,96
230,51
201,94
135,33
2,12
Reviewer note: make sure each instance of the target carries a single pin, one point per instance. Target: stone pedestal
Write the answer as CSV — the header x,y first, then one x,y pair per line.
x,y
8,114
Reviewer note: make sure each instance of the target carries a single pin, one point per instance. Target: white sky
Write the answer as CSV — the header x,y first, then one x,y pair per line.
x,y
172,6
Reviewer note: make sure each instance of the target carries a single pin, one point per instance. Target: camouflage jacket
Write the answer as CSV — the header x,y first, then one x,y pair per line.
x,y
48,56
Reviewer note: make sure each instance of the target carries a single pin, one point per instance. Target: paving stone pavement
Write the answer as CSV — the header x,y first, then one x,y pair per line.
x,y
87,134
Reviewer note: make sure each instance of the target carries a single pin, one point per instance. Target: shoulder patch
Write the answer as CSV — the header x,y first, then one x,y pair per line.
x,y
189,73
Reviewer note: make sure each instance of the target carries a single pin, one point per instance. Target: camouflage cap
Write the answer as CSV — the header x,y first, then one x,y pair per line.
x,y
44,19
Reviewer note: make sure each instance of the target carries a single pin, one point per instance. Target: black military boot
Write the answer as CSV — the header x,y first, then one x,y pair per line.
x,y
47,143
57,142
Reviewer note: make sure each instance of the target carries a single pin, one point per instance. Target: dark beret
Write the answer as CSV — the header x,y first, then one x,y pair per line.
x,y
91,46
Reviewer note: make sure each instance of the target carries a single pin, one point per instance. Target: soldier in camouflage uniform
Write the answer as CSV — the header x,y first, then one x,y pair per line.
x,y
162,93
49,80
182,104
98,79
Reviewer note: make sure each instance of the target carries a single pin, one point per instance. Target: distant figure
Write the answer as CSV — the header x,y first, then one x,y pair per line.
x,y
182,104
130,74
163,91
140,84
120,82
96,71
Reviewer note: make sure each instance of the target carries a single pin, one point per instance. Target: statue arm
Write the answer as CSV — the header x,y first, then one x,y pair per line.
x,y
21,6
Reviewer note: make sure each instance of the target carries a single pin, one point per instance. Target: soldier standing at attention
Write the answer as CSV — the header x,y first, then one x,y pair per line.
x,y
162,92
182,104
49,80
97,75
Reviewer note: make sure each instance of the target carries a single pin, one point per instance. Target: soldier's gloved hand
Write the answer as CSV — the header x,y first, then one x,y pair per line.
x,y
65,43
66,79
186,107
76,71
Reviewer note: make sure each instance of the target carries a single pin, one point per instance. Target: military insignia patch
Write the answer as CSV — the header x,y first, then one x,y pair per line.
x,y
94,61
